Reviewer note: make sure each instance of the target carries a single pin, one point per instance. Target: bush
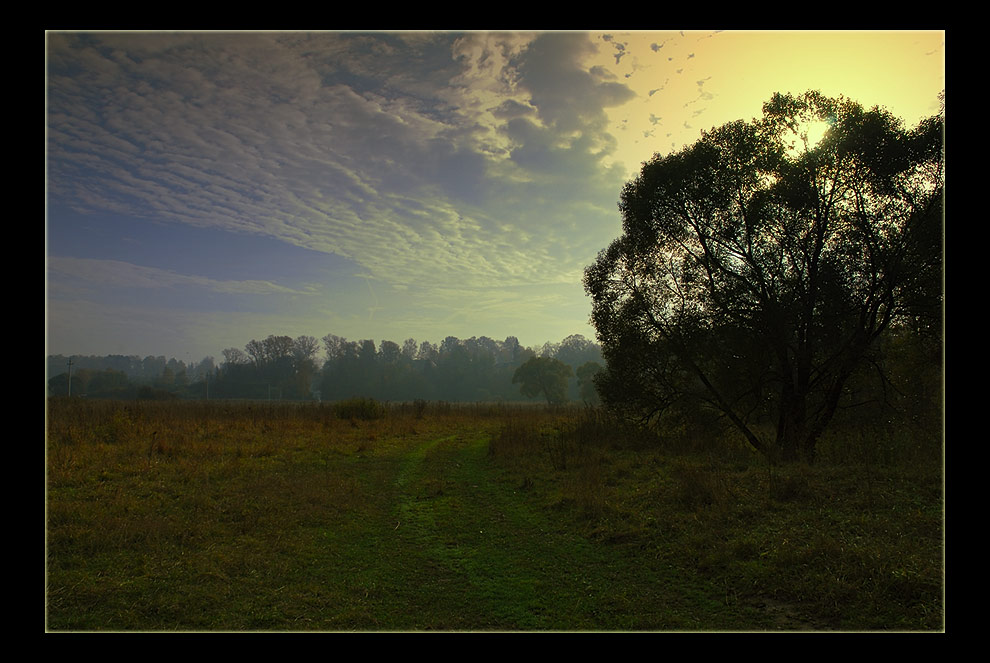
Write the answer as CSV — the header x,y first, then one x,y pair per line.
x,y
147,393
364,409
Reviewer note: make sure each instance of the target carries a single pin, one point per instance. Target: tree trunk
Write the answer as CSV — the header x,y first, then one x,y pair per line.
x,y
793,438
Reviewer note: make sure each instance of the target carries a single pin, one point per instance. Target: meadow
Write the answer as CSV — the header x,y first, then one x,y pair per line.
x,y
363,516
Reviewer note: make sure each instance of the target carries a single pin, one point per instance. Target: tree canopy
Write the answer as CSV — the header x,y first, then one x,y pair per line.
x,y
544,376
758,268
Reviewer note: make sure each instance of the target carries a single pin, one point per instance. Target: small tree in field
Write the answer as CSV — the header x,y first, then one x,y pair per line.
x,y
759,268
543,376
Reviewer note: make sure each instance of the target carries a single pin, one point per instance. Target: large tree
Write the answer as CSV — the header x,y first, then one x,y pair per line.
x,y
544,376
759,267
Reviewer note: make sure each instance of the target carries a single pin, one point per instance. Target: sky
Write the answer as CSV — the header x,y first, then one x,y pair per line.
x,y
204,189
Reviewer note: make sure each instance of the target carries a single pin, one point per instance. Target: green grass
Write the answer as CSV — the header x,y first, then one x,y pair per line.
x,y
220,516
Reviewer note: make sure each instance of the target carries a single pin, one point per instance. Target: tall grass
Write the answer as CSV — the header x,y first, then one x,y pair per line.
x,y
822,545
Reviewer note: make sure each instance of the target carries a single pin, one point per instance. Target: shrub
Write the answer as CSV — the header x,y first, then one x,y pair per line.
x,y
151,394
364,409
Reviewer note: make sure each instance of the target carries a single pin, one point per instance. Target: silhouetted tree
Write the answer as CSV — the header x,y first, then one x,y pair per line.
x,y
543,376
152,367
304,367
334,346
428,352
510,350
758,269
234,357
305,348
576,350
342,370
204,369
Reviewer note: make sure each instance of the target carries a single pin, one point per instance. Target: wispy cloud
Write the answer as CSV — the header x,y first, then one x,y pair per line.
x,y
395,152
84,273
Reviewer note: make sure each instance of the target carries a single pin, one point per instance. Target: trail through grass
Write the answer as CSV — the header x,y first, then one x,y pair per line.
x,y
232,518
487,557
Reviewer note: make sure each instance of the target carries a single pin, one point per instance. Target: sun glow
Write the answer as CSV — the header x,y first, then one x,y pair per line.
x,y
814,132
807,136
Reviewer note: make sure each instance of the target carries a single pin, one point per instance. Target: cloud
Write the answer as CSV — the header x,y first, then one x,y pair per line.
x,y
566,95
467,178
420,157
83,273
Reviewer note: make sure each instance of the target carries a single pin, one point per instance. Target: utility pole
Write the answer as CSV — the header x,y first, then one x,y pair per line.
x,y
70,376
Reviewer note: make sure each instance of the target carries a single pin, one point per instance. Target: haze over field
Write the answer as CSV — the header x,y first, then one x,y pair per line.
x,y
204,189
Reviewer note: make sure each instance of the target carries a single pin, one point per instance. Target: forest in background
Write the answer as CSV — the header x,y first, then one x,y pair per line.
x,y
329,369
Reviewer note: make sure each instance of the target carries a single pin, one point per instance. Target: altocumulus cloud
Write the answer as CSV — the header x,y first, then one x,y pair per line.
x,y
454,161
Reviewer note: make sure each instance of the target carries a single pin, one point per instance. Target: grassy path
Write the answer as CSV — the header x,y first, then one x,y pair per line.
x,y
498,561
473,553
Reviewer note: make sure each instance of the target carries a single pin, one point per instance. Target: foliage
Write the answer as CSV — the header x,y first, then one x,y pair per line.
x,y
359,408
758,271
543,376
586,375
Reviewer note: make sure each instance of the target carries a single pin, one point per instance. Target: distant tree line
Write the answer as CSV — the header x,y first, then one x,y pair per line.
x,y
125,376
334,368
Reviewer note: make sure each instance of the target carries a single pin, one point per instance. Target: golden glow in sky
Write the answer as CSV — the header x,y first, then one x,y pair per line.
x,y
693,81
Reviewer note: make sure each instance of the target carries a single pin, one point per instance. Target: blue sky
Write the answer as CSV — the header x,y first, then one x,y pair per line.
x,y
204,189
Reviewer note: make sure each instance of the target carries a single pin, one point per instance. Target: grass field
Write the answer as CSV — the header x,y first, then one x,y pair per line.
x,y
303,517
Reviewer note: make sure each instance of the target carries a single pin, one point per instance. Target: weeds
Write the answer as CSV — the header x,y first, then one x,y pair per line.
x,y
359,409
